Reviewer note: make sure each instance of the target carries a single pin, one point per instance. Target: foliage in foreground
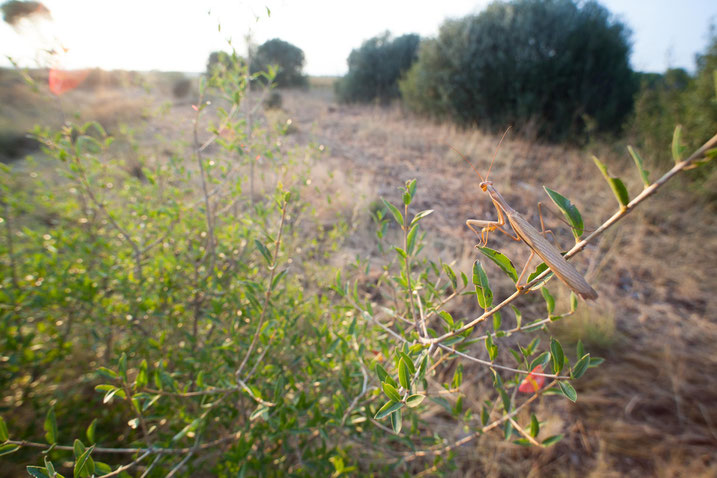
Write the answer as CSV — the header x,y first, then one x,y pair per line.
x,y
557,68
191,313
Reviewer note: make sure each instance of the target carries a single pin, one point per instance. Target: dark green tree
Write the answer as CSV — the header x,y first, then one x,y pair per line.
x,y
559,66
289,59
375,68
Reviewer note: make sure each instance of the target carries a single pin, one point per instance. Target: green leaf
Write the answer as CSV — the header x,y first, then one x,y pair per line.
x,y
381,372
644,174
501,261
457,377
549,301
37,472
617,186
107,373
573,301
409,363
420,216
447,317
568,390
411,239
8,448
552,440
394,210
414,400
484,416
122,366
51,426
404,375
84,465
497,321
569,210
580,367
534,425
396,421
677,147
596,361
480,281
264,251
141,379
391,392
411,187
451,275
539,270
541,359
91,431
557,355
518,316
579,349
4,435
387,409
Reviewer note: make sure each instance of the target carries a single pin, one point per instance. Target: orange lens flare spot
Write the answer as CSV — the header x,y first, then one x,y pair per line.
x,y
62,81
532,383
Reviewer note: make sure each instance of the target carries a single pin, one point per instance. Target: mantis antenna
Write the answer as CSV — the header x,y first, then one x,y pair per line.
x,y
496,153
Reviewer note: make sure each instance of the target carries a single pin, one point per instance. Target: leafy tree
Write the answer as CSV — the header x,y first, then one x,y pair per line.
x,y
288,58
676,97
375,68
557,65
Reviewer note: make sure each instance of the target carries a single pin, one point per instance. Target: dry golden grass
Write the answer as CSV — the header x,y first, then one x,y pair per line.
x,y
650,409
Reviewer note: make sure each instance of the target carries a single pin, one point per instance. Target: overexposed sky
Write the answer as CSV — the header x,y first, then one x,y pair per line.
x,y
179,35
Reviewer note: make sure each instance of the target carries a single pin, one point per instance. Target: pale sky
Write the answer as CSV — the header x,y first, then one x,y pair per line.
x,y
178,35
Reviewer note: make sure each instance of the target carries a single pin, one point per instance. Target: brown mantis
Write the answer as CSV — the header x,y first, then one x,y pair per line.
x,y
525,232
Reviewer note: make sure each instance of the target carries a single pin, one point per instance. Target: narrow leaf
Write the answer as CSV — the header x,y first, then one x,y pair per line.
x,y
534,425
394,210
4,435
557,355
396,421
414,400
644,174
387,409
580,367
677,148
617,186
549,301
569,210
568,391
51,426
8,448
91,431
480,281
391,392
501,261
420,216
404,374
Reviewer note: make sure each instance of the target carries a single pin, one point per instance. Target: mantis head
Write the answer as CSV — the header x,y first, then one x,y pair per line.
x,y
484,185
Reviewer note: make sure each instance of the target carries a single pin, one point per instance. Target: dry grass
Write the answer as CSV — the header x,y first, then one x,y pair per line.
x,y
650,409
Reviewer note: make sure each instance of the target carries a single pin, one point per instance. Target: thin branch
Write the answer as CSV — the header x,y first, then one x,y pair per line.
x,y
647,192
129,465
267,294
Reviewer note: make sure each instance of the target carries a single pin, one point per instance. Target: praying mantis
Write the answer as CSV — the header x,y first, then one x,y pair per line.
x,y
525,232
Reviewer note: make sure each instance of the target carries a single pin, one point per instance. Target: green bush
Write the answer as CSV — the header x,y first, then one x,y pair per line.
x,y
676,97
169,313
375,68
556,66
287,57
